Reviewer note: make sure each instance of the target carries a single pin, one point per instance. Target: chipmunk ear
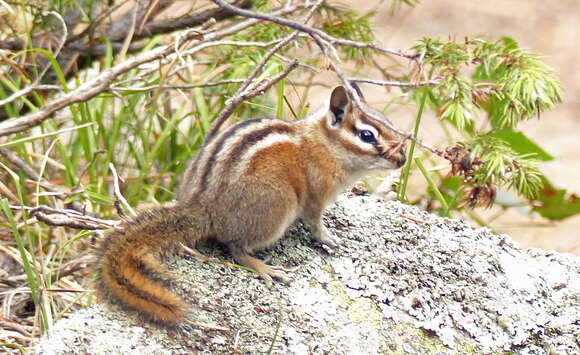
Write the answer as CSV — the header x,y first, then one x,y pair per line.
x,y
339,101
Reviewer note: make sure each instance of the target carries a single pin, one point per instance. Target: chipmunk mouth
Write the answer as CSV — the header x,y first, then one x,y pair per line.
x,y
396,154
400,159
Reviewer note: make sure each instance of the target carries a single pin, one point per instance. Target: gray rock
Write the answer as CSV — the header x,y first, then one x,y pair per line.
x,y
402,281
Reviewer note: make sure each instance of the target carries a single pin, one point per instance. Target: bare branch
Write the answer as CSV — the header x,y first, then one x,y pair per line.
x,y
92,87
315,33
392,82
243,93
196,19
20,164
102,82
27,90
34,176
180,87
239,97
319,35
67,218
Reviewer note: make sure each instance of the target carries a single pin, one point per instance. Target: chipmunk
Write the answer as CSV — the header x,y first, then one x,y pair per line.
x,y
244,188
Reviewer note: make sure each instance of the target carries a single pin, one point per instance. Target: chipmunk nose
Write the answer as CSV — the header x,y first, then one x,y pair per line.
x,y
401,159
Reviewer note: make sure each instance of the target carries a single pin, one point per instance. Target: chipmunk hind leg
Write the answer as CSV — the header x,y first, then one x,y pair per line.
x,y
256,236
261,221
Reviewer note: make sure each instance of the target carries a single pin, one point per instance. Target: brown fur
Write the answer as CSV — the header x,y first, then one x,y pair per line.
x,y
244,188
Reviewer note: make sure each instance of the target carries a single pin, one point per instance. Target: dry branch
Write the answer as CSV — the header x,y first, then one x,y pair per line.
x,y
393,83
92,87
102,82
245,92
187,21
242,96
317,35
67,218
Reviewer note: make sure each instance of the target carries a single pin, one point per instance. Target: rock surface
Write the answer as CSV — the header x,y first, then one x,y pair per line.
x,y
402,281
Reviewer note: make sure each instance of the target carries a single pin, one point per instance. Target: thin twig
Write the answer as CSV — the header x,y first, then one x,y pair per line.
x,y
27,90
392,82
118,196
246,95
211,40
67,218
91,88
315,33
177,87
320,36
21,164
244,92
35,176
190,20
102,82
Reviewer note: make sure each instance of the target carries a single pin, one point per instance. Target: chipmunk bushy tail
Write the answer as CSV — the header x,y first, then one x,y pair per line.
x,y
130,269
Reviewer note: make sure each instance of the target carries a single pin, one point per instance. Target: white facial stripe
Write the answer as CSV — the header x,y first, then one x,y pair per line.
x,y
353,139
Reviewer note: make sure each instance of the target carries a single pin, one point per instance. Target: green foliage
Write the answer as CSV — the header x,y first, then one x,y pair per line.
x,y
509,83
505,84
154,118
554,203
499,165
342,22
521,144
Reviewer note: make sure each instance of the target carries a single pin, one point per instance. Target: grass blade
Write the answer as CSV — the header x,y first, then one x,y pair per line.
x,y
407,171
433,186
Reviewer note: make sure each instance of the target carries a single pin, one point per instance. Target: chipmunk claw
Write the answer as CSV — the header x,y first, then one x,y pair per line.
x,y
279,273
326,238
268,272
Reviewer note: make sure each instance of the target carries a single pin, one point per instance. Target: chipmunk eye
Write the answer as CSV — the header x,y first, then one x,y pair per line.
x,y
367,136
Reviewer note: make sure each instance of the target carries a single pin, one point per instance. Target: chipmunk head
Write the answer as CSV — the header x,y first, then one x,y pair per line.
x,y
364,143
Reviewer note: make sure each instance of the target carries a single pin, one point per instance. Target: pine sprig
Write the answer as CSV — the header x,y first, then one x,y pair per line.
x,y
509,83
342,22
457,107
525,87
499,79
487,162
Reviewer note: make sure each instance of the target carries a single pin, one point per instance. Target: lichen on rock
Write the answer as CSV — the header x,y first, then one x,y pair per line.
x,y
402,280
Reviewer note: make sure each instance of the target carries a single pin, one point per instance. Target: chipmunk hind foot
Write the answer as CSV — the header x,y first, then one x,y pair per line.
x,y
269,272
